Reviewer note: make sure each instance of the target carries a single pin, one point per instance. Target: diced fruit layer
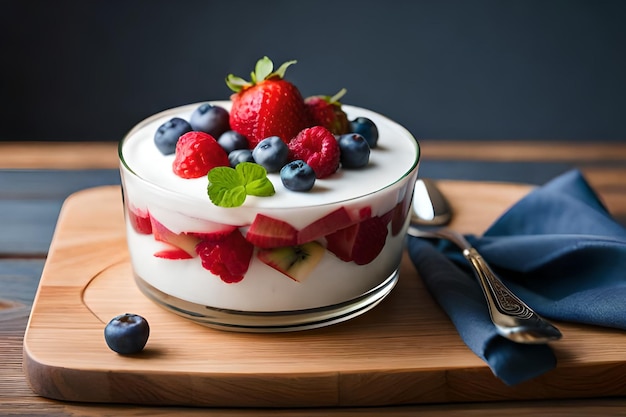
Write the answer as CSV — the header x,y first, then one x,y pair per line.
x,y
297,262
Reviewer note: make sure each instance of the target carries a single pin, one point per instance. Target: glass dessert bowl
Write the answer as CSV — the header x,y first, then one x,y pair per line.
x,y
291,261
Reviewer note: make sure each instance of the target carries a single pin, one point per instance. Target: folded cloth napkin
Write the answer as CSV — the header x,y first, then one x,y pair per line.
x,y
558,249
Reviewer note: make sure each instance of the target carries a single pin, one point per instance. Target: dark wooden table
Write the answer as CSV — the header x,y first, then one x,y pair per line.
x,y
35,179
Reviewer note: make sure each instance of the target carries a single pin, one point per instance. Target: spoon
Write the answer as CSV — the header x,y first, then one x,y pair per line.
x,y
512,318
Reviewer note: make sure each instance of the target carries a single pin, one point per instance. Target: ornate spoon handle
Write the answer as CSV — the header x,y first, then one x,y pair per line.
x,y
511,316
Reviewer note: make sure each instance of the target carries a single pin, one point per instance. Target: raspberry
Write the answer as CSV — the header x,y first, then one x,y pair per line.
x,y
229,258
196,154
317,147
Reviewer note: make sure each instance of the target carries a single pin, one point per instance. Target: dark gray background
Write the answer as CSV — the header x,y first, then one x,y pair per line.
x,y
451,69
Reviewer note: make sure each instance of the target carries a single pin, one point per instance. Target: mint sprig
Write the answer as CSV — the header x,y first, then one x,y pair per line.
x,y
228,187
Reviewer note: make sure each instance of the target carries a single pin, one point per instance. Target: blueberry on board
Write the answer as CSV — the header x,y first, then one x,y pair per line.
x,y
166,136
127,333
366,128
271,153
210,119
297,176
240,155
355,151
232,140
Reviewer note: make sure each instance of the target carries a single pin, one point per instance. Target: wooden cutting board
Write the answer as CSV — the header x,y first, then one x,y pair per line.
x,y
403,351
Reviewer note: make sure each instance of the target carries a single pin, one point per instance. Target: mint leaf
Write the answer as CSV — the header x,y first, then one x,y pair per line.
x,y
261,188
229,187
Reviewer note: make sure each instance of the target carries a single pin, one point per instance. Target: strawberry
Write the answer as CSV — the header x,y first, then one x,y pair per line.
x,y
173,254
317,147
139,220
337,219
326,111
196,154
229,257
268,105
360,242
268,232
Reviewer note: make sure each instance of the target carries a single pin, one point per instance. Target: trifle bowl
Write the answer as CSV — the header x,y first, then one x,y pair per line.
x,y
290,261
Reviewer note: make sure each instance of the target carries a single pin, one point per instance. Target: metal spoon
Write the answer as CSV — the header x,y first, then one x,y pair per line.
x,y
511,316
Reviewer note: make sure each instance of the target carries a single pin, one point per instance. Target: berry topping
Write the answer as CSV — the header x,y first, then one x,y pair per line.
x,y
366,128
166,136
355,151
271,153
127,333
297,176
228,258
317,147
238,156
267,105
196,154
231,140
210,119
326,111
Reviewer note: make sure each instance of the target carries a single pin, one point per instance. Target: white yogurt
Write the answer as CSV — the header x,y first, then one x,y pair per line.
x,y
182,205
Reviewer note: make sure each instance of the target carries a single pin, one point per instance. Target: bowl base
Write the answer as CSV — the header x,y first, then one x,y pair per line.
x,y
270,321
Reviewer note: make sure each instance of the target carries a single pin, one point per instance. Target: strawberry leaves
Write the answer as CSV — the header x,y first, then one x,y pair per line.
x,y
263,70
229,187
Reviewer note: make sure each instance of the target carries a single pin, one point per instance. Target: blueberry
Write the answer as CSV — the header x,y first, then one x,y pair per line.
x,y
355,151
167,134
127,333
366,128
240,155
297,176
231,140
210,119
271,153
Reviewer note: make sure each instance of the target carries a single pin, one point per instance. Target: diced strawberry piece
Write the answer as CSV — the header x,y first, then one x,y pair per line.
x,y
317,147
369,241
196,154
140,220
174,253
182,241
215,235
341,242
268,232
386,218
338,219
400,213
364,213
228,258
361,242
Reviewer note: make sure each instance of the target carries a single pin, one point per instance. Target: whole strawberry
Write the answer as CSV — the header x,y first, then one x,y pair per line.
x,y
326,111
267,105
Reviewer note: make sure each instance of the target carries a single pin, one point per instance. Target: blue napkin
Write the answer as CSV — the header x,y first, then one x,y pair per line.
x,y
558,249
